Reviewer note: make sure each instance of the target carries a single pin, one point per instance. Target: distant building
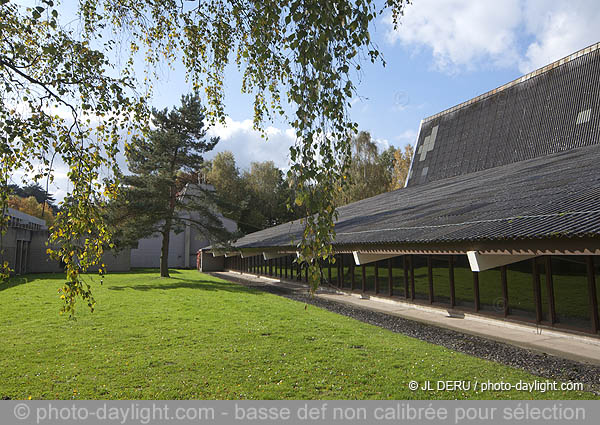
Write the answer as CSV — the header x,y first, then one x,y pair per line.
x,y
24,246
500,215
183,246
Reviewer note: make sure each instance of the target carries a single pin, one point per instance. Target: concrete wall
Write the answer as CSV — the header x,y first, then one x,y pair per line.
x,y
30,235
39,261
115,262
209,263
183,247
147,253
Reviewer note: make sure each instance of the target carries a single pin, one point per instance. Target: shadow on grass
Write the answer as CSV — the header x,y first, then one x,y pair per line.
x,y
204,285
150,270
21,280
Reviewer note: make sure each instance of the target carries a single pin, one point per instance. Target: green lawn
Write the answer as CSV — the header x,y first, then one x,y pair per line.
x,y
195,336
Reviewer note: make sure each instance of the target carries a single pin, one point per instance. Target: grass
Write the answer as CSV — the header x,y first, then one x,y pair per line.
x,y
195,336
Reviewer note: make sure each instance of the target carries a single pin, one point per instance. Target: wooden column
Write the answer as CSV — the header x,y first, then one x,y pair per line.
x,y
451,280
405,270
377,277
352,279
390,278
537,295
476,291
504,289
550,289
329,282
430,278
364,277
412,278
591,272
340,271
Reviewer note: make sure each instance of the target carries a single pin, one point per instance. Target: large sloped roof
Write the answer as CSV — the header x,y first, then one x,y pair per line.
x,y
553,109
521,162
553,196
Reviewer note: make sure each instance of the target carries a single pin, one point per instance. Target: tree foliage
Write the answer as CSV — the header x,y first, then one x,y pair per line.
x,y
367,175
163,193
35,190
371,172
301,53
256,198
31,206
60,97
310,51
402,161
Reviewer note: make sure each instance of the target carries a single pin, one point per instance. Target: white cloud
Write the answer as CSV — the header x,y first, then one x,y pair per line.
x,y
560,28
248,146
407,137
382,144
465,34
459,32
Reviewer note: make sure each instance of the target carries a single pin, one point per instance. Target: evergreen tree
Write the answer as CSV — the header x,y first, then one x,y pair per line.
x,y
35,190
163,193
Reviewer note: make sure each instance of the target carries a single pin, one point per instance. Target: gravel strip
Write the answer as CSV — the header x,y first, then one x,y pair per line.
x,y
543,365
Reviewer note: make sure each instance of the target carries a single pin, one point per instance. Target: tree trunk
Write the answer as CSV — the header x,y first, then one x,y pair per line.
x,y
164,250
166,232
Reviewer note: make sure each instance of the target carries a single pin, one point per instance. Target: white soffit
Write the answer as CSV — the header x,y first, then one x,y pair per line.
x,y
365,258
481,262
272,255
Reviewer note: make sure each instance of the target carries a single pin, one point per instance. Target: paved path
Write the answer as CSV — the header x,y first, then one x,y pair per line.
x,y
549,341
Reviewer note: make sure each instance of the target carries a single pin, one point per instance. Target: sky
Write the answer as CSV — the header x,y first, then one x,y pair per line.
x,y
444,52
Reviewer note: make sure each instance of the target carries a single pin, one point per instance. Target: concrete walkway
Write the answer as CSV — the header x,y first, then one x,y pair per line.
x,y
549,341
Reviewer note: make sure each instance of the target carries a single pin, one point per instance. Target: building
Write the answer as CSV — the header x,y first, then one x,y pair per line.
x,y
183,245
24,247
500,215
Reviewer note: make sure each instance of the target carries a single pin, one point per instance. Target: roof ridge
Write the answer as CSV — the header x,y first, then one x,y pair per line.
x,y
535,73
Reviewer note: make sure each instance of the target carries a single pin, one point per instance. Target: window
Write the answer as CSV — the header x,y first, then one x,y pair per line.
x,y
347,263
490,291
382,277
421,277
441,278
370,274
571,297
397,264
521,296
463,282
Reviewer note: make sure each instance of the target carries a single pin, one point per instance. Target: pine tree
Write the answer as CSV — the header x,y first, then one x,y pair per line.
x,y
163,193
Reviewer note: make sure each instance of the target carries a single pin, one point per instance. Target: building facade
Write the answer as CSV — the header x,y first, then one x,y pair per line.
x,y
25,243
500,215
183,245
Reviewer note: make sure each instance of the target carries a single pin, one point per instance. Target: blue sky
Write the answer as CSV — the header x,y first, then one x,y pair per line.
x,y
445,52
